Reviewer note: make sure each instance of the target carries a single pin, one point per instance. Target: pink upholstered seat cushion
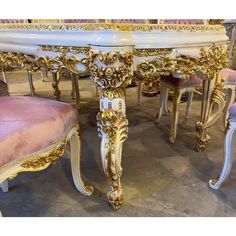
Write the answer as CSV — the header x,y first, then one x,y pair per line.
x,y
229,76
193,81
29,124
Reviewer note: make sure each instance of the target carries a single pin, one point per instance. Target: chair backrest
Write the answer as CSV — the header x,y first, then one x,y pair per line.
x,y
184,21
11,21
43,21
131,21
80,20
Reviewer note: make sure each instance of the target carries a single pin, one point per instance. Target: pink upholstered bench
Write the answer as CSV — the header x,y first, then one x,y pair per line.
x,y
33,134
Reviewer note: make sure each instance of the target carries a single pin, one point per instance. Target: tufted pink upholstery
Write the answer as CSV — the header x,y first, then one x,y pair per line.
x,y
183,83
29,124
229,76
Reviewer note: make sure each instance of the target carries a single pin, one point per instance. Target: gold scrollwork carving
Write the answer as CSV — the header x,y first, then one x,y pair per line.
x,y
65,49
118,27
45,160
112,93
9,61
215,21
41,162
71,63
202,137
146,52
108,76
212,60
150,72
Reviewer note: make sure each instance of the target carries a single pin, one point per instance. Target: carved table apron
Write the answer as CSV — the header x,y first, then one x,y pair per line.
x,y
112,52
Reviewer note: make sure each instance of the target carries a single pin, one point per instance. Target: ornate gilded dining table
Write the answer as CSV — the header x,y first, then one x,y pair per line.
x,y
112,52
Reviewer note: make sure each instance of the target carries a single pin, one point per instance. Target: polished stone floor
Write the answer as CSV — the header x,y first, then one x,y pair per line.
x,y
159,178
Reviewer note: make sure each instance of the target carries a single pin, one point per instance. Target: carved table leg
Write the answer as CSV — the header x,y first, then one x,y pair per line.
x,y
211,62
211,110
55,77
111,70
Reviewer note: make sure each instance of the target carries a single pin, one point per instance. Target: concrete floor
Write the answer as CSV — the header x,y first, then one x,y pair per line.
x,y
159,178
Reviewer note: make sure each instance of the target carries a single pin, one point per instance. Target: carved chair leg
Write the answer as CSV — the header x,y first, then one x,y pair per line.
x,y
75,83
228,159
75,145
4,186
30,79
55,77
189,104
175,115
140,85
164,92
230,97
73,95
4,76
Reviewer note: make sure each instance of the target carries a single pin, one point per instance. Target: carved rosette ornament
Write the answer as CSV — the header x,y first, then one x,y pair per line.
x,y
112,71
151,70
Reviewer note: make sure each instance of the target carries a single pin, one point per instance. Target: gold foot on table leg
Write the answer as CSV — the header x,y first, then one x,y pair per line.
x,y
115,197
202,138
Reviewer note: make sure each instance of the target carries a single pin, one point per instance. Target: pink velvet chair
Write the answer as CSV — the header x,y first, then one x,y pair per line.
x,y
33,134
228,150
178,86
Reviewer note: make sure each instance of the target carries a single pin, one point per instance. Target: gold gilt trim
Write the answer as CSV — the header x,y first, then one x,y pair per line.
x,y
216,21
145,52
41,162
112,93
118,27
65,49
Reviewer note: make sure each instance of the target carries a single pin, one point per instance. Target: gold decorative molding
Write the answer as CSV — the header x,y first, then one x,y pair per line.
x,y
45,160
71,63
41,162
112,93
215,21
146,52
65,49
118,27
